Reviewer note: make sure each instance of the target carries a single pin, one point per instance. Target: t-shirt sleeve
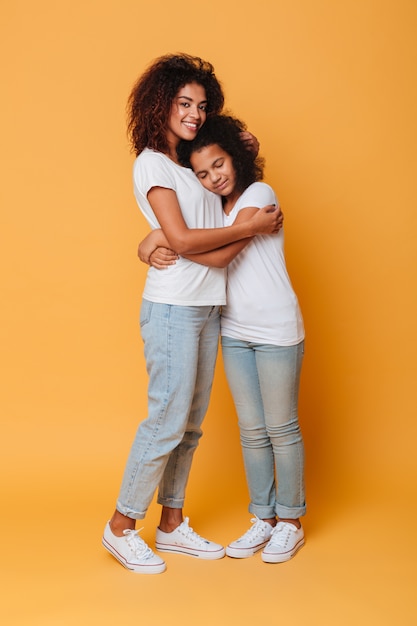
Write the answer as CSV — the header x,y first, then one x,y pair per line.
x,y
258,195
153,171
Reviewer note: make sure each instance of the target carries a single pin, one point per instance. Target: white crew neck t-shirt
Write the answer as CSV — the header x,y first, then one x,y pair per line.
x,y
184,283
261,304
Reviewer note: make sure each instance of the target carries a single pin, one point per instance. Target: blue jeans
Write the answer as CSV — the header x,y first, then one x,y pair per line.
x,y
181,345
264,381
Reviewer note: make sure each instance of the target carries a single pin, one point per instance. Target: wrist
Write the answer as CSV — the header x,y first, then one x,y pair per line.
x,y
251,230
148,261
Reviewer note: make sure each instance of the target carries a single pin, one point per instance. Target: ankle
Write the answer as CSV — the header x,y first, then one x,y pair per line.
x,y
170,519
294,522
271,521
120,522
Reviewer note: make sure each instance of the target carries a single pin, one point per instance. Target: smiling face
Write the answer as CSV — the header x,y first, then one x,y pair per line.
x,y
187,115
214,169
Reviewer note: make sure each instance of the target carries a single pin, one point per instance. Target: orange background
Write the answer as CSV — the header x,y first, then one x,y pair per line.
x,y
330,90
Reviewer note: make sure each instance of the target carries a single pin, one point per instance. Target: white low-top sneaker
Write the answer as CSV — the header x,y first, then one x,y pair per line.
x,y
286,540
253,540
132,552
184,540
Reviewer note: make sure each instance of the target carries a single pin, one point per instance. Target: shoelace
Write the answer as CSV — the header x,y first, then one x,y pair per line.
x,y
281,534
257,530
139,548
189,533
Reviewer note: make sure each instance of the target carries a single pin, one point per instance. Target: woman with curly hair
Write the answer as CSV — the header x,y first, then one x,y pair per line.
x,y
180,308
262,343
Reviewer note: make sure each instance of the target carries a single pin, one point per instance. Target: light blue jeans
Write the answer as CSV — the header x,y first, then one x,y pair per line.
x,y
264,380
181,345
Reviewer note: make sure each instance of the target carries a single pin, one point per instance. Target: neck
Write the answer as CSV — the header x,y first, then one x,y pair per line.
x,y
230,201
173,157
172,149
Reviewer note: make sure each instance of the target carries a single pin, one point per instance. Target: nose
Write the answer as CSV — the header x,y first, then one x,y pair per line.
x,y
195,112
214,176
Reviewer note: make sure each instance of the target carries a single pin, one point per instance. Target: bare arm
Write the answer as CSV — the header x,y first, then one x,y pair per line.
x,y
188,241
154,248
221,257
155,240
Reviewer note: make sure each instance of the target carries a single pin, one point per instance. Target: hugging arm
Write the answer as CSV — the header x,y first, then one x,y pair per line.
x,y
155,248
221,257
186,240
156,245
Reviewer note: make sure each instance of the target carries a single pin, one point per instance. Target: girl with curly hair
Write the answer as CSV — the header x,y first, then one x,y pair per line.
x,y
262,342
180,312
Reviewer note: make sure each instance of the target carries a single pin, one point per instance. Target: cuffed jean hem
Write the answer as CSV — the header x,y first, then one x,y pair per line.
x,y
286,512
172,503
262,512
124,510
283,512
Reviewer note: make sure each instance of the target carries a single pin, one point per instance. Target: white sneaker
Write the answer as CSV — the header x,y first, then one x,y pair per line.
x,y
132,552
183,540
286,540
253,540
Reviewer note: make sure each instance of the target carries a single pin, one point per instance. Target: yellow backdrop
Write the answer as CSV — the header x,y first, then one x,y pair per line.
x,y
329,88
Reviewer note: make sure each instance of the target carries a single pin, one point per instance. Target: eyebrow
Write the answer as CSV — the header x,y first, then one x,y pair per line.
x,y
191,100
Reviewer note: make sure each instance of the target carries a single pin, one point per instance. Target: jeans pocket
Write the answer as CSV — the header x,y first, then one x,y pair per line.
x,y
145,312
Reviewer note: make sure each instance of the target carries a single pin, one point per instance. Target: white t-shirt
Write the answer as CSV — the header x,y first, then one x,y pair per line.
x,y
261,304
185,283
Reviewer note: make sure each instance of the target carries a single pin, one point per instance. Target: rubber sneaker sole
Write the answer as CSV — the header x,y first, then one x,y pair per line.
x,y
184,540
138,569
211,555
271,557
245,553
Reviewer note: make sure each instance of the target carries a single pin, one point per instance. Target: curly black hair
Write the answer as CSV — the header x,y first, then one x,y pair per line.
x,y
150,100
225,131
